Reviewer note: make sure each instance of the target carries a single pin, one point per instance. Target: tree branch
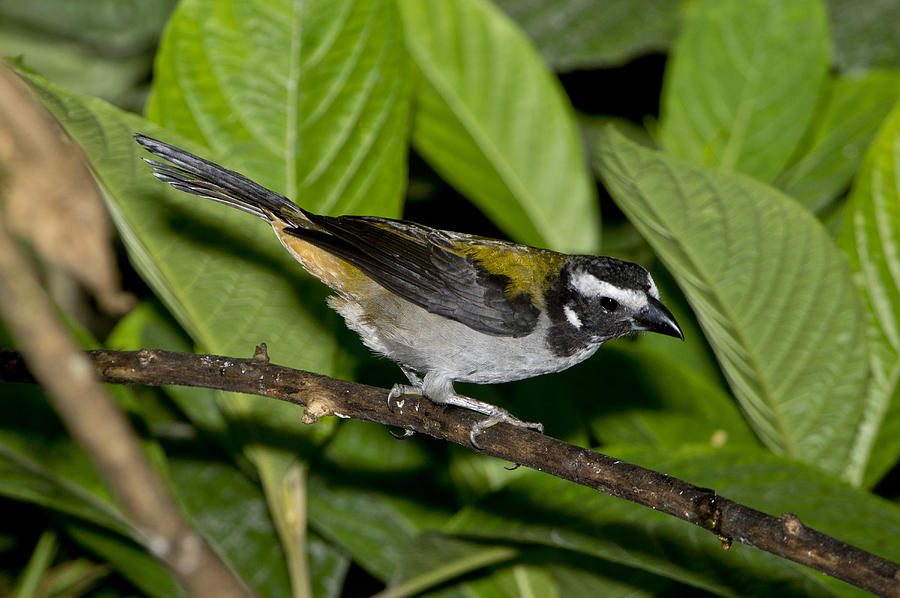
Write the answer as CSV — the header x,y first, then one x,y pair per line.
x,y
785,536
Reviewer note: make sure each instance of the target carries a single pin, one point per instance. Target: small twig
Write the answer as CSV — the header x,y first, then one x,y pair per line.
x,y
99,426
785,536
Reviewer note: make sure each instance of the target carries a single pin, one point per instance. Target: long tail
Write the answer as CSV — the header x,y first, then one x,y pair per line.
x,y
195,175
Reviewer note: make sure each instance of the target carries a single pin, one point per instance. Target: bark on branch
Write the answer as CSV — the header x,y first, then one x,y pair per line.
x,y
785,536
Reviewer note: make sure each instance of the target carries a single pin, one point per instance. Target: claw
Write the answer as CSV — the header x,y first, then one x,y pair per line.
x,y
398,390
407,432
394,393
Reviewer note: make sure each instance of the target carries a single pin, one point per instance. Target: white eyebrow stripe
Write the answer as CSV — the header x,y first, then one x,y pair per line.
x,y
591,286
588,284
654,292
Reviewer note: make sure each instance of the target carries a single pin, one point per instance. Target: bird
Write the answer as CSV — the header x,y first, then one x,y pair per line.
x,y
446,306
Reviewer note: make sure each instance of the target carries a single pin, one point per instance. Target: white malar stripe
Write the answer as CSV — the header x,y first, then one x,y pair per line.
x,y
572,317
591,286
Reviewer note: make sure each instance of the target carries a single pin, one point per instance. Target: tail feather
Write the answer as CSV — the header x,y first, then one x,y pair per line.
x,y
203,178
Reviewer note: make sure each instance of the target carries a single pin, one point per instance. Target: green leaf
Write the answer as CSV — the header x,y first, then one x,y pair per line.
x,y
537,508
850,113
496,124
374,527
583,34
548,572
871,238
603,578
540,572
328,567
74,578
310,99
226,283
695,354
366,446
41,464
514,581
865,34
432,559
130,560
97,47
224,276
38,565
230,284
654,399
769,287
528,580
743,82
111,26
235,519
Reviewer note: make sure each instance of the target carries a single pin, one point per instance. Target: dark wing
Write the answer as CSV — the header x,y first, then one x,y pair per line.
x,y
427,267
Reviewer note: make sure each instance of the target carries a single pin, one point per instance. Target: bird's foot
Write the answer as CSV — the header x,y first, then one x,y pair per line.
x,y
398,390
496,416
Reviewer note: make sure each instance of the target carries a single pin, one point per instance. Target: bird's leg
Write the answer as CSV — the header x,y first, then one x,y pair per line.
x,y
398,390
441,391
495,415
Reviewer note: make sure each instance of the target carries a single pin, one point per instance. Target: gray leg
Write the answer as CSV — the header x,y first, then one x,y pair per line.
x,y
440,390
412,376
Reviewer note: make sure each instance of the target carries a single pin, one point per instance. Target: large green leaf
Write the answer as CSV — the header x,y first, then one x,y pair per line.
x,y
493,121
574,34
236,520
871,238
509,582
41,464
232,513
432,559
769,287
865,33
475,568
99,47
743,82
655,399
850,113
375,526
111,26
308,98
133,562
556,573
607,580
537,508
224,277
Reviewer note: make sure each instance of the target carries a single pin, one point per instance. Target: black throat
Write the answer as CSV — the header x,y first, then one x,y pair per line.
x,y
564,338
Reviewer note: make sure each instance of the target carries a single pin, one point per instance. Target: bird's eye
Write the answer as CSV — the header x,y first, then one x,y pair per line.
x,y
609,304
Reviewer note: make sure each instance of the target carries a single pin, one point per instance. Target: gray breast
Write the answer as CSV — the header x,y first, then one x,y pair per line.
x,y
428,342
